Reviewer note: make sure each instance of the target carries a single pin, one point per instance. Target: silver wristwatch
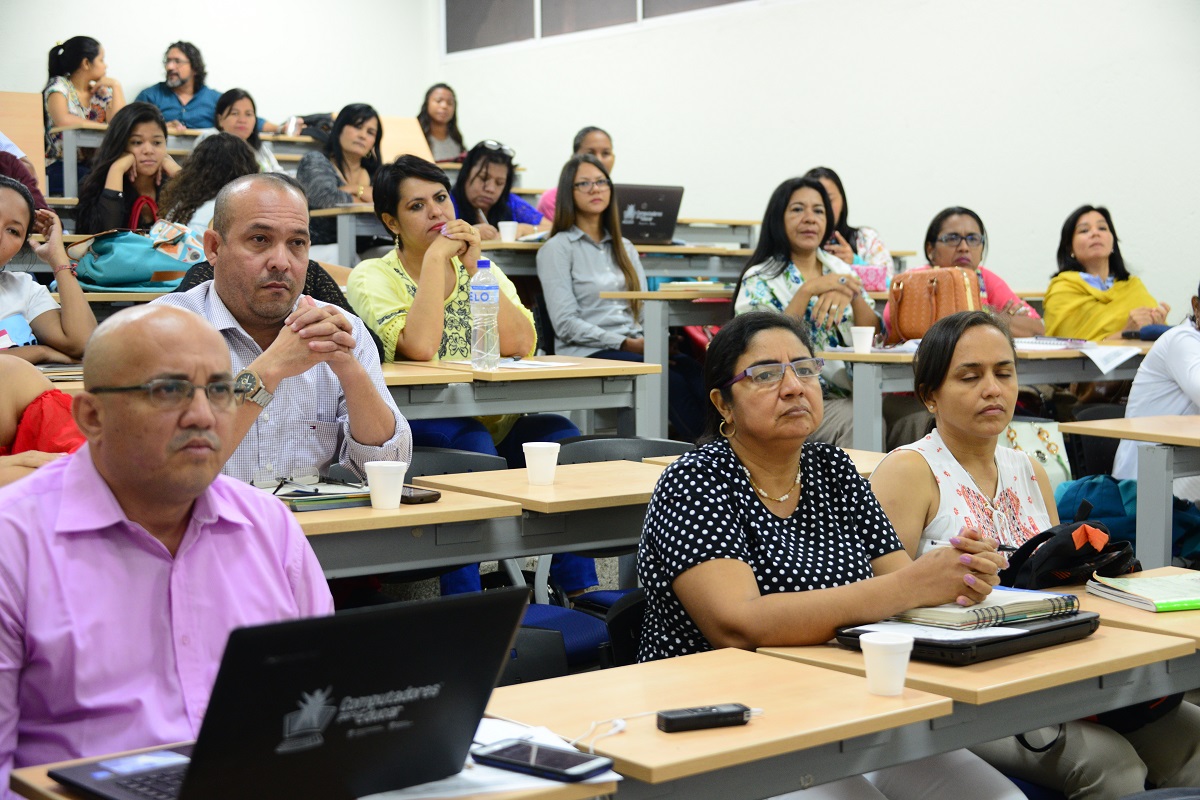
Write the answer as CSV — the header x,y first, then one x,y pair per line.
x,y
251,385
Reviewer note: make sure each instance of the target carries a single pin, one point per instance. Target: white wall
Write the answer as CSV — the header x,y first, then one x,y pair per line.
x,y
1021,110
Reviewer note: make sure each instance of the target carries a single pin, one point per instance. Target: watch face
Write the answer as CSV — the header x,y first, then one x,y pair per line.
x,y
246,382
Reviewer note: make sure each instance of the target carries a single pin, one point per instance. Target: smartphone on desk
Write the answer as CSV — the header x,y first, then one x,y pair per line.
x,y
555,763
415,494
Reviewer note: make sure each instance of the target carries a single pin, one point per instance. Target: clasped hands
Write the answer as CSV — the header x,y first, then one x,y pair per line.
x,y
973,559
311,334
834,293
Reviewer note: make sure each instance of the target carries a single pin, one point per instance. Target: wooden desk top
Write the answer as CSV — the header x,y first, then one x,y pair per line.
x,y
1119,615
802,707
865,461
744,223
68,387
337,211
654,249
699,293
1182,430
572,367
452,507
576,487
1107,650
81,125
36,784
420,373
279,137
62,202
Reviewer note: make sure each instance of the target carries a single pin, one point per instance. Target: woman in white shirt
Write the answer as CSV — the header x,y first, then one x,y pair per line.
x,y
957,477
587,255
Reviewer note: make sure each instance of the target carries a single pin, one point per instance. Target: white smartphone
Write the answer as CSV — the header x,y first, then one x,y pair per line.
x,y
555,763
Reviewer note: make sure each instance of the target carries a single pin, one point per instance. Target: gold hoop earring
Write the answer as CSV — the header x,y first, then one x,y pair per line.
x,y
721,429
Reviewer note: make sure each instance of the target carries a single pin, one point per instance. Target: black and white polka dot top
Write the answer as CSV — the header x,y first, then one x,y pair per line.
x,y
704,508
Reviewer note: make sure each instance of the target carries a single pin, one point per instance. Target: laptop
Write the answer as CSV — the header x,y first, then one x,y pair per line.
x,y
361,702
960,648
648,213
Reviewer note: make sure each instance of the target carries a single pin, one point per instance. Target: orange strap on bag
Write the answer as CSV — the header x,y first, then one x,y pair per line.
x,y
919,299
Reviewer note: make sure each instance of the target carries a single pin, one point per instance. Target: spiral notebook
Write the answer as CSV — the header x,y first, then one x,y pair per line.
x,y
1002,607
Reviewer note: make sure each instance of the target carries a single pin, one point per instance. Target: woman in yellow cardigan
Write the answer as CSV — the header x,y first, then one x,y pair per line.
x,y
1093,296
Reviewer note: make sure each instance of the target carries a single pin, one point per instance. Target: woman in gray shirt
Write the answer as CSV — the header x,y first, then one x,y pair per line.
x,y
585,256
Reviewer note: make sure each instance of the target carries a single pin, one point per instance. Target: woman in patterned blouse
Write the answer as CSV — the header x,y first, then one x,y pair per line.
x,y
859,247
762,538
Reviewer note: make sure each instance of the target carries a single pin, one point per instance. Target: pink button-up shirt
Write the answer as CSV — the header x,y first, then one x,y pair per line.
x,y
107,643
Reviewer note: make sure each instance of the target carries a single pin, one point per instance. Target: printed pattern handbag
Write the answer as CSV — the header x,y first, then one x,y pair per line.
x,y
1041,441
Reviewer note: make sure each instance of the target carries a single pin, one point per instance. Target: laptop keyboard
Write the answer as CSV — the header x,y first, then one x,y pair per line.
x,y
162,785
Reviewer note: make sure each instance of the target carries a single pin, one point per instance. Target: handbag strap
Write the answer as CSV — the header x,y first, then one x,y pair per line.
x,y
139,205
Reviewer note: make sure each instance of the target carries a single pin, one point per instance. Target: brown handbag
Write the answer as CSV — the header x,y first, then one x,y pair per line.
x,y
920,298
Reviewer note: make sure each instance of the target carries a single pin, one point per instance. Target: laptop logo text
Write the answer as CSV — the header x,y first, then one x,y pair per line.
x,y
302,729
639,216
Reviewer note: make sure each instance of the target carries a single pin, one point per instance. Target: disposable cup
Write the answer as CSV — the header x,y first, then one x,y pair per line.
x,y
863,336
540,460
886,655
386,481
508,231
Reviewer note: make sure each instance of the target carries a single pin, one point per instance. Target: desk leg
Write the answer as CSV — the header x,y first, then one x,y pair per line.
x,y
868,407
70,141
346,241
1155,473
651,392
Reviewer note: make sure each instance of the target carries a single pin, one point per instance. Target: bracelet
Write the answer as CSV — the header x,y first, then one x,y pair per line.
x,y
66,266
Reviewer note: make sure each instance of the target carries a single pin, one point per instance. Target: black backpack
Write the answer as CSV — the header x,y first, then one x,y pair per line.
x,y
318,126
1068,554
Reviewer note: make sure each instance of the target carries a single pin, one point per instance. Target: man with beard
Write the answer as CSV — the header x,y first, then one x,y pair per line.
x,y
314,387
124,566
183,98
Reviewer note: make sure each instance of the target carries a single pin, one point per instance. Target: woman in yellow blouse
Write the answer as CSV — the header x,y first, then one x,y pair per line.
x,y
1093,296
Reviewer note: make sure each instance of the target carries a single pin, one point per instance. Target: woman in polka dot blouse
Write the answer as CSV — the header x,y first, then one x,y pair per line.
x,y
966,374
760,538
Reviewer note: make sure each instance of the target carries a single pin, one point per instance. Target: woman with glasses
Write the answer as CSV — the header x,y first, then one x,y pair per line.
x,y
791,273
237,114
483,195
763,537
79,89
859,247
956,238
341,173
1093,296
585,256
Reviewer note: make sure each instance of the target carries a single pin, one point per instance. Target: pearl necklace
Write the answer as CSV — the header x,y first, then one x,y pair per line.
x,y
763,494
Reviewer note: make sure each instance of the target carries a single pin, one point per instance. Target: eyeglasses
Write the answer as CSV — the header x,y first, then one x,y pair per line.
x,y
171,393
806,369
492,144
600,184
178,62
954,239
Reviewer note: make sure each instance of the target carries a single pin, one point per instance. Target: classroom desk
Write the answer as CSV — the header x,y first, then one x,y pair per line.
x,y
458,529
1171,623
590,506
36,784
878,373
864,461
433,390
661,310
1172,450
817,725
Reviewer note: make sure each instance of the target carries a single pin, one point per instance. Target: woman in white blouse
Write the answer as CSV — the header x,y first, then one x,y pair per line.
x,y
966,373
585,256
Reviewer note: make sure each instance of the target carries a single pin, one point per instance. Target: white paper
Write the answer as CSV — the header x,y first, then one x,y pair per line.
x,y
481,779
1106,358
941,634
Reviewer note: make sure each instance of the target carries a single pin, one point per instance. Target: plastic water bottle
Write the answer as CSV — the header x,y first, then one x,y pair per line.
x,y
485,310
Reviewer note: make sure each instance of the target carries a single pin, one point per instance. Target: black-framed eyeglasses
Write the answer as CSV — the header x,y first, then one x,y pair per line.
x,y
955,239
492,144
586,186
806,369
169,393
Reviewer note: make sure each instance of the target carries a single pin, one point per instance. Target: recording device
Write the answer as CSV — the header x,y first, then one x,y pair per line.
x,y
691,719
414,494
555,763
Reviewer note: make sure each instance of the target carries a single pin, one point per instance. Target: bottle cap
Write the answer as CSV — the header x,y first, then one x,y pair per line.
x,y
483,263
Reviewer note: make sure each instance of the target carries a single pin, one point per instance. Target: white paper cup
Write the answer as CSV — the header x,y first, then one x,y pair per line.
x,y
508,231
386,481
886,655
863,337
540,460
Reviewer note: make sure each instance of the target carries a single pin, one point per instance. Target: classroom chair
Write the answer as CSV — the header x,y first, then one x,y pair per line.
x,y
624,623
1096,454
589,449
536,654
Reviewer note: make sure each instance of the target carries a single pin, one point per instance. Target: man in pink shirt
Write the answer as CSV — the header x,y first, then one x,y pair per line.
x,y
124,567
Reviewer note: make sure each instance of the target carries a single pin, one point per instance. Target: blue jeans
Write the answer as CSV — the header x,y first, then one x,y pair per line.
x,y
570,571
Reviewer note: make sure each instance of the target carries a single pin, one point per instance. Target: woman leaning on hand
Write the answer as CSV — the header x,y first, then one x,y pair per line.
x,y
966,371
743,535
